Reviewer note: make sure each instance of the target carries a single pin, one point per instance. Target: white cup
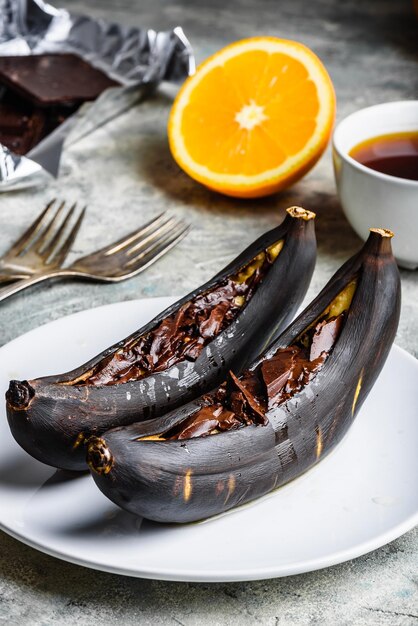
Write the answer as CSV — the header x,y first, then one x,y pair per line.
x,y
370,198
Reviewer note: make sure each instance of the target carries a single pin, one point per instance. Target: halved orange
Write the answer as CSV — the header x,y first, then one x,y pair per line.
x,y
255,117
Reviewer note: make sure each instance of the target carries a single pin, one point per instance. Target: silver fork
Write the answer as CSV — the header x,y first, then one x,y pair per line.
x,y
119,260
43,245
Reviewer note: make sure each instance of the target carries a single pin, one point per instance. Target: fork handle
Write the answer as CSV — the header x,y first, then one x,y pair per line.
x,y
20,285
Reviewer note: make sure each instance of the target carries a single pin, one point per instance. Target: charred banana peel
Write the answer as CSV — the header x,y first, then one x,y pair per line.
x,y
267,426
182,353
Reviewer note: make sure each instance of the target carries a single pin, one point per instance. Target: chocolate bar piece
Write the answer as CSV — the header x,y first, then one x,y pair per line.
x,y
21,125
52,79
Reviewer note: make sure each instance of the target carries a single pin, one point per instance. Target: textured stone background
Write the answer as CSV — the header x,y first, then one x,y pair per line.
x,y
125,174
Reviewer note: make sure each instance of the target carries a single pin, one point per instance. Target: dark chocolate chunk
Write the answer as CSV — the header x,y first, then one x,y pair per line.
x,y
210,327
292,368
325,335
276,372
302,372
204,421
21,126
199,427
52,79
248,386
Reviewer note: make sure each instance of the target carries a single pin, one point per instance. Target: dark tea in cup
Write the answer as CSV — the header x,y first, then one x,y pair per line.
x,y
395,154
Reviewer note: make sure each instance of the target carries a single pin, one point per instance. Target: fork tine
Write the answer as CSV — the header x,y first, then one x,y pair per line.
x,y
29,235
158,248
166,226
53,244
122,243
61,255
44,236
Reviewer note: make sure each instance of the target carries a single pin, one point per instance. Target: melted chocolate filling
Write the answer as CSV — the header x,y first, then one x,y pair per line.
x,y
183,335
246,400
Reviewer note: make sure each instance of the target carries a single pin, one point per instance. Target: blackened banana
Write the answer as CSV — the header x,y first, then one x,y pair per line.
x,y
183,352
276,420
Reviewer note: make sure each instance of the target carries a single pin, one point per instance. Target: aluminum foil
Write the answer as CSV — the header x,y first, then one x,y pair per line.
x,y
138,58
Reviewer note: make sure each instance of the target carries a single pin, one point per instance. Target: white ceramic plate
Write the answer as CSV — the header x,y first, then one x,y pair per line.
x,y
360,497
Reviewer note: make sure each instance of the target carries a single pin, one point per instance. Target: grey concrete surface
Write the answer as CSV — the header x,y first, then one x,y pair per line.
x,y
125,174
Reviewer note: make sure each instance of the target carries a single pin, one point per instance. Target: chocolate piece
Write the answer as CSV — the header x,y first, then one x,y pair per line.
x,y
291,369
200,427
250,408
227,420
276,372
204,422
21,126
326,333
210,327
42,92
301,371
52,79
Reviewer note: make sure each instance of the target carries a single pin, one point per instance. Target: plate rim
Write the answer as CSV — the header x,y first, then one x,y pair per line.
x,y
212,576
230,575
